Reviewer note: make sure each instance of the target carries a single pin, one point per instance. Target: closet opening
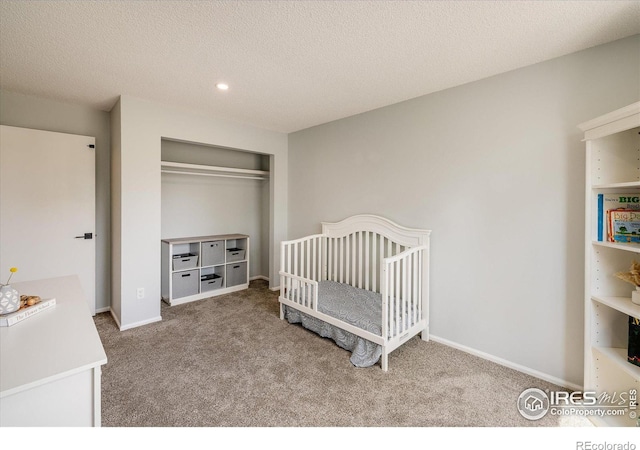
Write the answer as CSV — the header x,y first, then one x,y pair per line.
x,y
211,190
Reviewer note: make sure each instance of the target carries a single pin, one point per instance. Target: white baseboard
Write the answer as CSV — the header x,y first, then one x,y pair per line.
x,y
102,310
259,277
262,277
139,324
509,364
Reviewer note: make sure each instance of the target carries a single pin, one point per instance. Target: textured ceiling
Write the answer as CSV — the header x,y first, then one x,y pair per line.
x,y
290,64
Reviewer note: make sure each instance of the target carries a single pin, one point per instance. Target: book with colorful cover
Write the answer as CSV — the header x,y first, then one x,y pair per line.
x,y
6,320
607,202
624,225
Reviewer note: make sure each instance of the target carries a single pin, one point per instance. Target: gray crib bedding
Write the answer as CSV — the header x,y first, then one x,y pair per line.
x,y
349,304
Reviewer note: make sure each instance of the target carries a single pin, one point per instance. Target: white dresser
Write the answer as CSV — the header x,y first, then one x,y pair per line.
x,y
50,363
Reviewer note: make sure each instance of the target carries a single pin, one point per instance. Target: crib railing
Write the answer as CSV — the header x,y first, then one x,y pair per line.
x,y
301,267
356,258
402,291
362,259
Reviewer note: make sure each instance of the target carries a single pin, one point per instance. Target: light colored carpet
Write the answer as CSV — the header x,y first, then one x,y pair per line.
x,y
229,361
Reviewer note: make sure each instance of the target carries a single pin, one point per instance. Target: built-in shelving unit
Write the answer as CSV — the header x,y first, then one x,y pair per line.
x,y
613,166
200,267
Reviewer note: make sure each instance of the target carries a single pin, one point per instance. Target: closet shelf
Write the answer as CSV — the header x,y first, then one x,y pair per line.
x,y
212,171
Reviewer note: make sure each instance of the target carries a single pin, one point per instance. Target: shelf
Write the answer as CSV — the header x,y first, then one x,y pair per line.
x,y
616,186
618,357
635,248
212,171
176,290
612,154
622,304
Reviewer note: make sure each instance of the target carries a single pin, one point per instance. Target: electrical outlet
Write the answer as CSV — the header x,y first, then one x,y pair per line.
x,y
140,293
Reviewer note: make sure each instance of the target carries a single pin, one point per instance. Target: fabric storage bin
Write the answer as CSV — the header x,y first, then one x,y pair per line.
x,y
184,283
236,274
235,254
212,253
210,282
185,261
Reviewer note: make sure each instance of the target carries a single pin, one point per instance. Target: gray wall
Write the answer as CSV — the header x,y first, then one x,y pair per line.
x,y
200,206
496,169
25,111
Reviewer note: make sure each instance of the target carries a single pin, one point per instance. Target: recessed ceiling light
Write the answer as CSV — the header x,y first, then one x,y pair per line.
x,y
222,86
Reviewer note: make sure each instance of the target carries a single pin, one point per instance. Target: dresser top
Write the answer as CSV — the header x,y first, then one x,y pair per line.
x,y
55,343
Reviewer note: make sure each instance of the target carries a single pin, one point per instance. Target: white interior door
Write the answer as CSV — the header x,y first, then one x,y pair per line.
x,y
47,204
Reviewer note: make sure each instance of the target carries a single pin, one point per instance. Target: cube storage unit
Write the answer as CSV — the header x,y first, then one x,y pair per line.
x,y
612,172
194,268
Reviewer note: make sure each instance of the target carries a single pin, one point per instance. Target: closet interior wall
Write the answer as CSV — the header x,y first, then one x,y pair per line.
x,y
203,205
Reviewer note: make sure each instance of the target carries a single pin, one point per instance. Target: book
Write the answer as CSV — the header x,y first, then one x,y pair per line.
x,y
633,348
607,202
624,225
6,320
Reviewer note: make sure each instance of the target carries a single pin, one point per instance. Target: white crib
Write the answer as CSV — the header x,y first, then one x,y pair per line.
x,y
370,253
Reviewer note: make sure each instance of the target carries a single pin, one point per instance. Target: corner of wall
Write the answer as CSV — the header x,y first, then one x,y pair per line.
x,y
116,214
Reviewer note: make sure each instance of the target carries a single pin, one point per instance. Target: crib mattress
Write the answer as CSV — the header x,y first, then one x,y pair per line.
x,y
358,307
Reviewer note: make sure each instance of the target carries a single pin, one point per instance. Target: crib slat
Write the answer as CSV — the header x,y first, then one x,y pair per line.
x,y
360,260
351,261
406,287
309,259
397,299
366,261
340,252
384,290
357,256
420,284
303,252
299,255
347,260
314,275
320,247
391,300
330,259
336,258
376,263
416,299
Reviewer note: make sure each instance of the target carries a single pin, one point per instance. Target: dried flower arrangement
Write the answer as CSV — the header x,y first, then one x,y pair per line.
x,y
12,270
632,276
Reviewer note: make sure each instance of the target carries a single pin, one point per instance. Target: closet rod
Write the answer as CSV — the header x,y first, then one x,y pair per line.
x,y
176,165
213,175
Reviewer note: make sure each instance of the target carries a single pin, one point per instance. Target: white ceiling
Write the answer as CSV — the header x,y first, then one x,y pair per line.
x,y
290,64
